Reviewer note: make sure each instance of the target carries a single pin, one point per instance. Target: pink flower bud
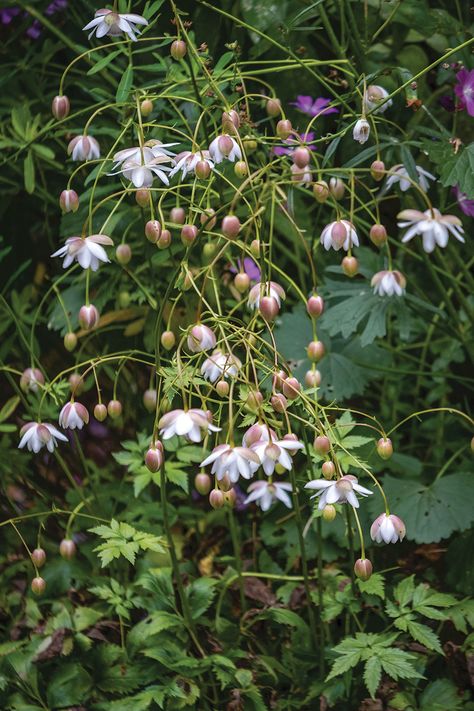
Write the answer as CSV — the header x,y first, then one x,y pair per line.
x,y
178,49
312,378
222,388
188,234
338,234
291,388
154,457
225,144
301,156
114,408
377,170
242,282
76,383
100,412
316,351
230,121
322,445
254,401
337,188
207,218
230,226
278,379
60,107
384,448
153,230
279,403
165,239
88,317
67,549
70,341
202,169
38,556
350,266
31,379
363,568
38,585
241,169
328,469
321,191
142,196
202,483
150,397
329,512
273,107
378,235
284,129
123,253
146,107
216,499
168,340
69,201
177,215
269,308
315,306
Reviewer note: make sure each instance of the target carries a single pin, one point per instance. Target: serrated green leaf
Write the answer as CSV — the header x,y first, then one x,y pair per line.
x,y
375,585
372,674
424,635
398,664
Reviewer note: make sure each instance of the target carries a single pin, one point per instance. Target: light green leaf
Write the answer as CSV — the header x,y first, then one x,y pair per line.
x,y
375,585
372,674
424,635
125,85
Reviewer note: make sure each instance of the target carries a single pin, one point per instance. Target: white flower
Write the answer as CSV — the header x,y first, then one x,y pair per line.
x,y
83,148
201,338
225,147
269,288
301,176
220,365
258,433
338,492
340,233
265,493
387,528
107,22
31,379
388,283
361,131
141,165
186,423
373,98
432,226
35,435
233,461
73,415
187,161
273,452
399,174
86,250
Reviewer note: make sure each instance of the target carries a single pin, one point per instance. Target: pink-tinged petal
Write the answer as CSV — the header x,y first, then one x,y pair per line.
x,y
282,496
318,484
351,499
102,30
411,215
215,454
194,435
100,239
361,489
284,459
169,418
333,495
93,23
183,424
136,19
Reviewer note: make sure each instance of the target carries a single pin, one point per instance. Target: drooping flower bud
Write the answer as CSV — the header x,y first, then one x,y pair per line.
x,y
154,457
31,380
338,234
178,49
322,445
142,197
291,388
279,403
377,169
146,107
363,568
60,107
328,469
284,129
201,338
250,144
350,266
216,499
202,483
321,191
88,317
273,107
384,448
188,234
269,308
378,234
177,215
316,351
312,378
38,556
230,226
168,339
67,549
69,201
254,401
150,397
114,408
329,512
123,253
230,121
255,248
242,282
100,412
337,188
301,156
70,341
38,585
222,388
202,169
361,131
225,144
164,240
241,169
207,218
315,306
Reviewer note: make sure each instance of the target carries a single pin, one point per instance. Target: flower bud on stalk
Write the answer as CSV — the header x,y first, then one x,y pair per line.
x,y
207,218
123,254
67,549
38,556
230,121
321,191
322,445
384,448
363,568
291,388
202,483
70,341
279,403
216,499
168,340
100,412
284,129
76,383
164,240
88,317
178,49
230,497
188,234
114,408
337,188
177,215
273,107
38,585
241,169
230,226
328,469
254,401
315,306
301,156
269,308
31,379
350,266
378,234
60,107
146,107
255,248
312,378
69,201
278,379
316,351
150,397
242,282
222,388
202,169
142,197
154,457
250,144
377,170
329,512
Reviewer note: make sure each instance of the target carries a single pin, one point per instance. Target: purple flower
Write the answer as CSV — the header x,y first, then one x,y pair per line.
x,y
465,204
249,267
7,15
306,138
313,107
464,89
34,31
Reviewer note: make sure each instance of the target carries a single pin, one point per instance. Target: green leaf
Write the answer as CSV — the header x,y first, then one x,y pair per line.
x,y
124,540
125,85
375,585
372,674
344,663
29,173
9,407
460,171
200,595
69,686
424,635
104,62
398,664
404,591
441,695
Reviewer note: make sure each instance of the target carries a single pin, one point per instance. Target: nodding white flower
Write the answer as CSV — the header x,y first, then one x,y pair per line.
x,y
432,226
201,338
269,288
340,233
265,493
152,149
187,423
338,492
220,365
31,379
258,433
301,176
83,148
86,250
225,146
361,131
276,451
373,98
399,174
387,529
233,461
108,22
187,162
73,415
141,165
35,435
388,283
